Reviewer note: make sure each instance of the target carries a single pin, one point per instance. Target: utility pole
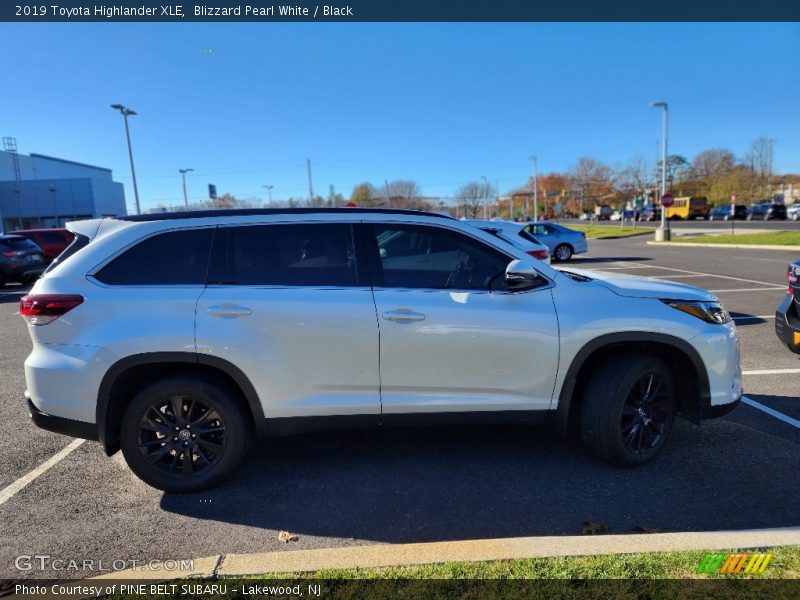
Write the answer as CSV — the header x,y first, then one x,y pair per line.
x,y
126,112
183,173
388,198
269,191
485,197
310,185
535,190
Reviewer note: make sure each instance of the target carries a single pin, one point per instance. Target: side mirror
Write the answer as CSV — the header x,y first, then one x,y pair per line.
x,y
521,276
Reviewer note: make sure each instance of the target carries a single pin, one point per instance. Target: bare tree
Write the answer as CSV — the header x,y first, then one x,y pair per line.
x,y
472,197
759,160
590,180
632,178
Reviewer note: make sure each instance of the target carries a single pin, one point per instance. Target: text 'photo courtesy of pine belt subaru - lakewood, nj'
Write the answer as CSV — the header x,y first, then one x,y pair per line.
x,y
179,337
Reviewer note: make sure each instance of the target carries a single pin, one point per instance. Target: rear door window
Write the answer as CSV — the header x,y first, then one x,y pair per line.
x,y
303,254
170,258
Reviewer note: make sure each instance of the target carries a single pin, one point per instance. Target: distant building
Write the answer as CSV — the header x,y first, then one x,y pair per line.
x,y
52,191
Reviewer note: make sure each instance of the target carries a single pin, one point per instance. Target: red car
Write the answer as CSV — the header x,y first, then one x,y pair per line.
x,y
52,241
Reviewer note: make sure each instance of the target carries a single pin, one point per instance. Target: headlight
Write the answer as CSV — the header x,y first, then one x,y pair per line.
x,y
710,312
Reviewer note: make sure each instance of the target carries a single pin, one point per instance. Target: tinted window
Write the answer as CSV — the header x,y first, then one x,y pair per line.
x,y
416,256
172,258
307,254
52,237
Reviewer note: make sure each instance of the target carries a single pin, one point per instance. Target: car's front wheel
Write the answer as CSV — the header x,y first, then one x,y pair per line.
x,y
563,252
628,409
183,433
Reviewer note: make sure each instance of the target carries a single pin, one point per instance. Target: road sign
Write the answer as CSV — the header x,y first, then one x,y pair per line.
x,y
212,191
667,200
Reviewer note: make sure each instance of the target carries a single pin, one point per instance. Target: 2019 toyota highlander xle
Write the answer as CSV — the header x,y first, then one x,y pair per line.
x,y
178,337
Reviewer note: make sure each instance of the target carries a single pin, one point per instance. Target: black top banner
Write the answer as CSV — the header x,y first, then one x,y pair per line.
x,y
401,11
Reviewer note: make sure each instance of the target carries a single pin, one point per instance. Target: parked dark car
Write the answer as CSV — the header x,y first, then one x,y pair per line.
x,y
21,260
52,241
650,213
725,213
766,211
787,317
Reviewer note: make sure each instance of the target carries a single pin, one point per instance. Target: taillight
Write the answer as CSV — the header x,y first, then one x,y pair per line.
x,y
540,254
10,253
41,309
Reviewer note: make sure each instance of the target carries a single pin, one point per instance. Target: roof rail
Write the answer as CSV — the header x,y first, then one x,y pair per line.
x,y
243,212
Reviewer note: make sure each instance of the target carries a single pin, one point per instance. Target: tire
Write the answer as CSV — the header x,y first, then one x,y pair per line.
x,y
620,423
149,422
563,252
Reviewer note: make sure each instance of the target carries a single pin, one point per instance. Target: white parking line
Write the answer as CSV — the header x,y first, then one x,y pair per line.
x,y
713,275
762,289
9,491
773,413
771,372
674,276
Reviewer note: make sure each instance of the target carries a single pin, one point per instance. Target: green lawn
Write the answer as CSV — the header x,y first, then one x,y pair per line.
x,y
785,564
598,232
774,238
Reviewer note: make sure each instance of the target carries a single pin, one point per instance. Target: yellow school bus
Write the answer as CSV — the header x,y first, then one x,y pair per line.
x,y
688,207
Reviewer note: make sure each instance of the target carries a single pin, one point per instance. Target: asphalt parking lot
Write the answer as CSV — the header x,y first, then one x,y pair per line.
x,y
355,488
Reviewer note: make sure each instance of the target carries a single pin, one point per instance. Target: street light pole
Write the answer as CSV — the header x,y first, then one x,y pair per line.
x,y
53,189
126,112
269,191
535,190
664,145
183,173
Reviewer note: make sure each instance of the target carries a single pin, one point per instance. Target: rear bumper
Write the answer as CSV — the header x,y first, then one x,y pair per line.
x,y
77,429
787,324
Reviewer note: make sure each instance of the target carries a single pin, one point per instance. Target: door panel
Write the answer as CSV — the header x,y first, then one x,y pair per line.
x,y
448,343
473,350
272,308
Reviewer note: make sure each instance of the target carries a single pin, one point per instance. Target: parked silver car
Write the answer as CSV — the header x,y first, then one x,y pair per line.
x,y
562,241
516,234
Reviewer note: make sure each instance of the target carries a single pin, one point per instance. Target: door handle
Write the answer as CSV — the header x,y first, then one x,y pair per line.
x,y
228,311
403,315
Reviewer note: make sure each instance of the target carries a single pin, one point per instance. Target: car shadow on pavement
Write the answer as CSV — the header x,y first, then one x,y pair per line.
x,y
743,319
467,483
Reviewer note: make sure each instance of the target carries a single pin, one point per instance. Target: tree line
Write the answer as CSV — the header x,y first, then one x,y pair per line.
x,y
716,173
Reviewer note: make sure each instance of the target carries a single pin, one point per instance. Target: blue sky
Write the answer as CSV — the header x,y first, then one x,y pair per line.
x,y
246,104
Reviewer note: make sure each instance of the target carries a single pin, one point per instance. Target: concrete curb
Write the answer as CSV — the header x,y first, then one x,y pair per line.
x,y
745,246
388,555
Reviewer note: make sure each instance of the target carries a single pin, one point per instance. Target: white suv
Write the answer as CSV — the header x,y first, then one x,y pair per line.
x,y
177,337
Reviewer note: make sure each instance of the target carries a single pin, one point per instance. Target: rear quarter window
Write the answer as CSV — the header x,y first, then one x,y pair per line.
x,y
170,258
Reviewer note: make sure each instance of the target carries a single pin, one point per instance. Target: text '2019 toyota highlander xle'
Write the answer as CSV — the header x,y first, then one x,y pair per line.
x,y
178,337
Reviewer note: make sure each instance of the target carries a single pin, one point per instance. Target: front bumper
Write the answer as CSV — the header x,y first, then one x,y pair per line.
x,y
77,429
787,323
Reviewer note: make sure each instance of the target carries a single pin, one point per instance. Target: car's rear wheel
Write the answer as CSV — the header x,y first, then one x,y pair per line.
x,y
563,252
183,434
628,409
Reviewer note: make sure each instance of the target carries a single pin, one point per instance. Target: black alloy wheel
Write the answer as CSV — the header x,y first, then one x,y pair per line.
x,y
181,436
646,414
